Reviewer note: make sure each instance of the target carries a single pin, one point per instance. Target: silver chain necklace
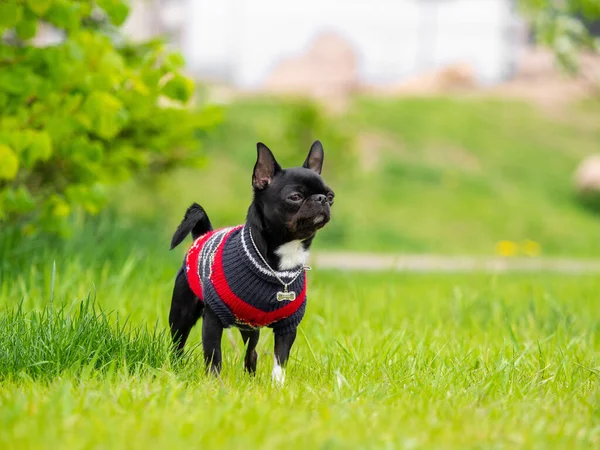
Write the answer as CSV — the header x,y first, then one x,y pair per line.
x,y
285,295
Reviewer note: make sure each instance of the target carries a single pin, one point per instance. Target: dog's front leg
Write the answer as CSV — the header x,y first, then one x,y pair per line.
x,y
212,332
283,345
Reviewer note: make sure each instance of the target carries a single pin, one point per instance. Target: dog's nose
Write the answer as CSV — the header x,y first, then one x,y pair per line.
x,y
320,198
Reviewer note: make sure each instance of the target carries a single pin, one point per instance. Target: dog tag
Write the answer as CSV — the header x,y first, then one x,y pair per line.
x,y
289,296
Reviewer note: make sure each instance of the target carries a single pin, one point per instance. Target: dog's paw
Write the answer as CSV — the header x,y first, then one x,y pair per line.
x,y
278,375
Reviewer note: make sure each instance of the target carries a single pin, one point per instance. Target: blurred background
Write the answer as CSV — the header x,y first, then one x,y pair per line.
x,y
451,127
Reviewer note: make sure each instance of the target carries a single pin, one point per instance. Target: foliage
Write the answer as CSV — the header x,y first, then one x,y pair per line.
x,y
560,25
86,112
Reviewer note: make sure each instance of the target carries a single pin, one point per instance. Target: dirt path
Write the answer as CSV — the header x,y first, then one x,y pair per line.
x,y
437,263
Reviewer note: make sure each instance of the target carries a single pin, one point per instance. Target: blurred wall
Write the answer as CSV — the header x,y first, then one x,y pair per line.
x,y
245,41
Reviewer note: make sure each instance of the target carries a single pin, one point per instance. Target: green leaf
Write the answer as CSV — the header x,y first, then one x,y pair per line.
x,y
64,14
72,102
39,148
9,163
39,6
10,13
174,61
106,114
16,139
83,120
85,151
590,9
179,88
60,127
26,29
116,10
18,80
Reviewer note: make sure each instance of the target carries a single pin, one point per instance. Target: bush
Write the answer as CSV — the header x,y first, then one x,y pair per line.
x,y
561,26
89,111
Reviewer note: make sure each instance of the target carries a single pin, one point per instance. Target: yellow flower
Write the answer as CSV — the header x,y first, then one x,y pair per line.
x,y
531,248
506,248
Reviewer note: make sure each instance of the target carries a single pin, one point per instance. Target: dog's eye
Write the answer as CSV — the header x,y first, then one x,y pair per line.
x,y
330,197
295,197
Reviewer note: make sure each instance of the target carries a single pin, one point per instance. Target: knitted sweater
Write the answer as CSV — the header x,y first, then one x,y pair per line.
x,y
226,272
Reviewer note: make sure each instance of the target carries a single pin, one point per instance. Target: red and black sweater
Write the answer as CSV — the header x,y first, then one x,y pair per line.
x,y
225,271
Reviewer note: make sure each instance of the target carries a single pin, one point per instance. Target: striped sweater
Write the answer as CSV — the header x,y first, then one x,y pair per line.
x,y
225,271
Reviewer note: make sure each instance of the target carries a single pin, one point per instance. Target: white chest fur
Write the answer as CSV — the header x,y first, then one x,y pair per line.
x,y
291,255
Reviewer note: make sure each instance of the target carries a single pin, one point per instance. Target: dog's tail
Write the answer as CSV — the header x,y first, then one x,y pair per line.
x,y
196,221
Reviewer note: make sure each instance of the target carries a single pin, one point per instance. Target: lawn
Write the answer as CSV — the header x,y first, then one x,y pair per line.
x,y
436,175
382,361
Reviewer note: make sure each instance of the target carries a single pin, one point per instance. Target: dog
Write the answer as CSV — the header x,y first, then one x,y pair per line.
x,y
253,275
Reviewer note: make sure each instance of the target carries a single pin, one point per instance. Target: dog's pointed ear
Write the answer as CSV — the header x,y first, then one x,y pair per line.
x,y
265,168
314,160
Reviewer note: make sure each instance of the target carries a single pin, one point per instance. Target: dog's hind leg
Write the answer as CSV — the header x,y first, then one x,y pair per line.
x,y
250,338
186,309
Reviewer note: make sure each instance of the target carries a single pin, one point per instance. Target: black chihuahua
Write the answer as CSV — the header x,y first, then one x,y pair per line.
x,y
252,275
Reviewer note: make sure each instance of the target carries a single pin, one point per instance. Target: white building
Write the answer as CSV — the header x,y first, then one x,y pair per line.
x,y
244,41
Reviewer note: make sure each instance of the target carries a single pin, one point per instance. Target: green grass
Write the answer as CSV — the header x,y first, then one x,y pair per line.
x,y
49,343
436,175
382,361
